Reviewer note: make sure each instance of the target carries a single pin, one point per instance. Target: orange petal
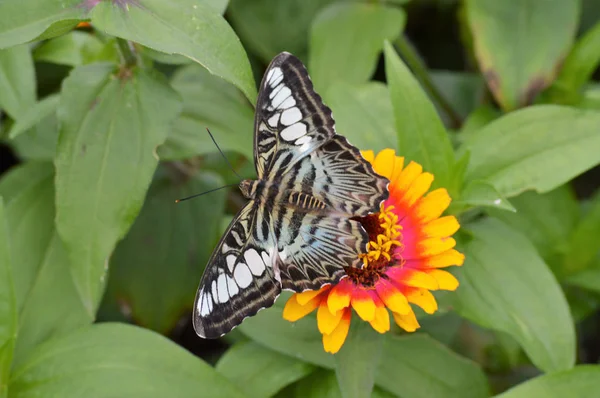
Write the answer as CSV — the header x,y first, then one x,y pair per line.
x,y
308,295
384,163
392,297
326,321
369,155
423,298
445,259
445,279
432,246
433,205
406,178
339,296
398,167
441,227
412,277
294,311
333,342
381,322
407,322
417,189
363,304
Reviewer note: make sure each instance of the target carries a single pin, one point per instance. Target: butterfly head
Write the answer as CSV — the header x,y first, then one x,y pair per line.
x,y
248,188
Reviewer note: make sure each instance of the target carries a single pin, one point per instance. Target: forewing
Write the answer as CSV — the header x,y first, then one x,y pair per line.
x,y
291,119
238,280
317,248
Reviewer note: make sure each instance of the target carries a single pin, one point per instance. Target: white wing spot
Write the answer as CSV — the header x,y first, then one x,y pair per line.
x,y
288,103
202,305
273,75
266,259
274,120
255,262
281,96
230,262
270,74
213,289
303,140
222,288
291,116
242,275
232,287
276,90
293,132
209,302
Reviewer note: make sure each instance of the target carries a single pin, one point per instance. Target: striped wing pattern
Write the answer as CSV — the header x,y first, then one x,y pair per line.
x,y
297,231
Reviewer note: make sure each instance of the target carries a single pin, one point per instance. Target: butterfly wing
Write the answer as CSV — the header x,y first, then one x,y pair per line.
x,y
291,119
239,278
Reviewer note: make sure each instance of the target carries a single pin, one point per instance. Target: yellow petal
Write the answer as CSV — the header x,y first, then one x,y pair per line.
x,y
326,321
392,297
333,342
445,279
417,189
381,322
423,298
441,227
339,297
308,295
433,246
364,307
294,311
384,163
445,259
433,205
420,279
369,155
398,167
406,177
407,322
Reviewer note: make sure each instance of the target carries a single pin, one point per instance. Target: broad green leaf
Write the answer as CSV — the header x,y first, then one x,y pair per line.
x,y
34,115
463,91
321,383
357,361
519,44
258,371
540,147
169,244
269,27
116,360
73,49
22,21
340,51
548,221
208,102
42,280
8,304
421,134
588,279
17,80
415,366
363,114
505,286
581,381
186,27
111,125
584,244
476,120
480,193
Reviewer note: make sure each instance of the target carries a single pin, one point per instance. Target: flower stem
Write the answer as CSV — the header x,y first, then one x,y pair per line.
x,y
127,52
418,67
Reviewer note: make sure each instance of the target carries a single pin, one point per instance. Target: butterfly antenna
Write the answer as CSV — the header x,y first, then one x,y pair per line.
x,y
203,193
222,154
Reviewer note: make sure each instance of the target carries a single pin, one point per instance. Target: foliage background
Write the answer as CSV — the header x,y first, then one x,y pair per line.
x,y
102,128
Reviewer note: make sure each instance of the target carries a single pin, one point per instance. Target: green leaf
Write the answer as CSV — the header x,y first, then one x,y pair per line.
x,y
505,286
110,360
421,134
208,102
480,193
258,371
110,128
34,115
8,304
463,90
363,114
22,21
519,45
168,244
581,381
541,148
357,361
73,49
321,383
269,27
17,80
584,244
186,27
42,279
335,39
548,221
588,279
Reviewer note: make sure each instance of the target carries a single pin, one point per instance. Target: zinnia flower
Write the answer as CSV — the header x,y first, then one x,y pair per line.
x,y
409,244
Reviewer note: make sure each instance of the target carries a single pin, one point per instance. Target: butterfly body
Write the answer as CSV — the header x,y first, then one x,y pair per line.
x,y
297,231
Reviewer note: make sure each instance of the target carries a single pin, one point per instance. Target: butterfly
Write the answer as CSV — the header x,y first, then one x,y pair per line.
x,y
298,229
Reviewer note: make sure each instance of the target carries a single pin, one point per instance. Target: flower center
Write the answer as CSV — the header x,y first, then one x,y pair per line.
x,y
384,235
